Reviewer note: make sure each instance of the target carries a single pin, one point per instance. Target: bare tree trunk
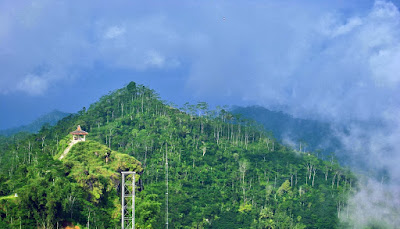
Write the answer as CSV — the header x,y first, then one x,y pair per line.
x,y
313,177
333,179
142,103
44,137
326,172
291,180
88,220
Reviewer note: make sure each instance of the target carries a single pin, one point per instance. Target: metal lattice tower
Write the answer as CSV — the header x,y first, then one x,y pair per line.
x,y
128,200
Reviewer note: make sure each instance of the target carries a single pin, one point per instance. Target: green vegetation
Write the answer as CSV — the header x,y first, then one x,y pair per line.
x,y
224,171
83,187
305,134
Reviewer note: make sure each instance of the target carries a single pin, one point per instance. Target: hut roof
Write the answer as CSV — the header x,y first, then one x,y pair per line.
x,y
79,131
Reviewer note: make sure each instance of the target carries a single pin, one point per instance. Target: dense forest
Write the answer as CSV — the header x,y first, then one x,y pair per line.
x,y
223,171
302,134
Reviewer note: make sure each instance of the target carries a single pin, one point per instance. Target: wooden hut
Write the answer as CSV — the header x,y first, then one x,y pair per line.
x,y
79,134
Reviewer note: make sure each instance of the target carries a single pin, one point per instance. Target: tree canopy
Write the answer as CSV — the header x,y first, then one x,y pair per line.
x,y
224,171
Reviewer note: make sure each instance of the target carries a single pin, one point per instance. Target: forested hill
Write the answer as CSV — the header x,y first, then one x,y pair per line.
x,y
302,134
223,171
50,118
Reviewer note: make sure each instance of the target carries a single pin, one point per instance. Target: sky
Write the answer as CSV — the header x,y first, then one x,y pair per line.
x,y
336,61
66,54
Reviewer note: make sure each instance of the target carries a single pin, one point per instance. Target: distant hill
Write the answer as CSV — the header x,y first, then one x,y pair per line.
x,y
301,134
51,118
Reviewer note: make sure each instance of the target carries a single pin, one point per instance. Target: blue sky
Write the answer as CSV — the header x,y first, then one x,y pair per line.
x,y
279,54
328,60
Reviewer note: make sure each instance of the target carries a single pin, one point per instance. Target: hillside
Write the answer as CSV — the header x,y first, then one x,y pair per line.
x,y
50,119
301,134
68,191
223,171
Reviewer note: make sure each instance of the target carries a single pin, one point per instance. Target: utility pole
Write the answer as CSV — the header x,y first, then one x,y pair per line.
x,y
166,184
128,200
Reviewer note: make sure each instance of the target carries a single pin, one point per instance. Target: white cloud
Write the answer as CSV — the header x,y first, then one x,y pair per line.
x,y
375,202
385,66
33,85
384,9
114,32
340,29
155,59
44,33
340,67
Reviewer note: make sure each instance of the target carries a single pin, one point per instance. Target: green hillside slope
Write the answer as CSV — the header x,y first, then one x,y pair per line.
x,y
303,134
223,171
52,193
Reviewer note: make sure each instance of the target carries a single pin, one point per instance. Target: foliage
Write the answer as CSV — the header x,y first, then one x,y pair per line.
x,y
302,134
223,171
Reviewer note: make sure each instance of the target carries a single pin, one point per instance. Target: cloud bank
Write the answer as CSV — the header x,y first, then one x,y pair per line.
x,y
320,64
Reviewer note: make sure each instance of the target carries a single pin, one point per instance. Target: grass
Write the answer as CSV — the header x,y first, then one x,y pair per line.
x,y
96,167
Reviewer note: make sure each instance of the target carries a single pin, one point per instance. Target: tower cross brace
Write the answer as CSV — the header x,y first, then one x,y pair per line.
x,y
128,200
